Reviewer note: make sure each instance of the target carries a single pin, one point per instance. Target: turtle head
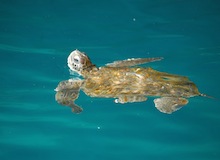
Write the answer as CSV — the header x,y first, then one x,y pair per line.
x,y
79,62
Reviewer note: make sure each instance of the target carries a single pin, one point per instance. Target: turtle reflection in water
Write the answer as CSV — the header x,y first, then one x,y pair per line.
x,y
125,83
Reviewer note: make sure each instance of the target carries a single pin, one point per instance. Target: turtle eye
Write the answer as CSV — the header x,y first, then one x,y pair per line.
x,y
76,60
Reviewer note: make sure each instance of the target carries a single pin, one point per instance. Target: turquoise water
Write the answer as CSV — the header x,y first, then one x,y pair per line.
x,y
36,38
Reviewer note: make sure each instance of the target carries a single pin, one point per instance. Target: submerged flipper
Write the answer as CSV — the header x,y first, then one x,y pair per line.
x,y
170,104
132,62
67,97
67,93
71,84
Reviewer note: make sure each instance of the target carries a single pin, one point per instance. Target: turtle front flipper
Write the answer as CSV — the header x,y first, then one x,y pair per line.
x,y
67,98
169,104
67,93
132,62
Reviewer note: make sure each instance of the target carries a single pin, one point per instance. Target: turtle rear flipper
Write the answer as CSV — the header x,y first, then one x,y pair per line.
x,y
132,62
169,104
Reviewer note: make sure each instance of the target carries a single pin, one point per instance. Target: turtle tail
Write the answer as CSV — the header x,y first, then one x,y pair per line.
x,y
205,95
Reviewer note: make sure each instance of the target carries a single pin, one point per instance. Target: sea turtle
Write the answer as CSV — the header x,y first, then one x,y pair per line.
x,y
125,83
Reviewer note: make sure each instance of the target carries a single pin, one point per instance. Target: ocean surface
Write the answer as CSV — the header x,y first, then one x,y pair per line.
x,y
36,38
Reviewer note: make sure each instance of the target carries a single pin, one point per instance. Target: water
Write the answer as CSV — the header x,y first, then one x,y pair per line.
x,y
37,36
